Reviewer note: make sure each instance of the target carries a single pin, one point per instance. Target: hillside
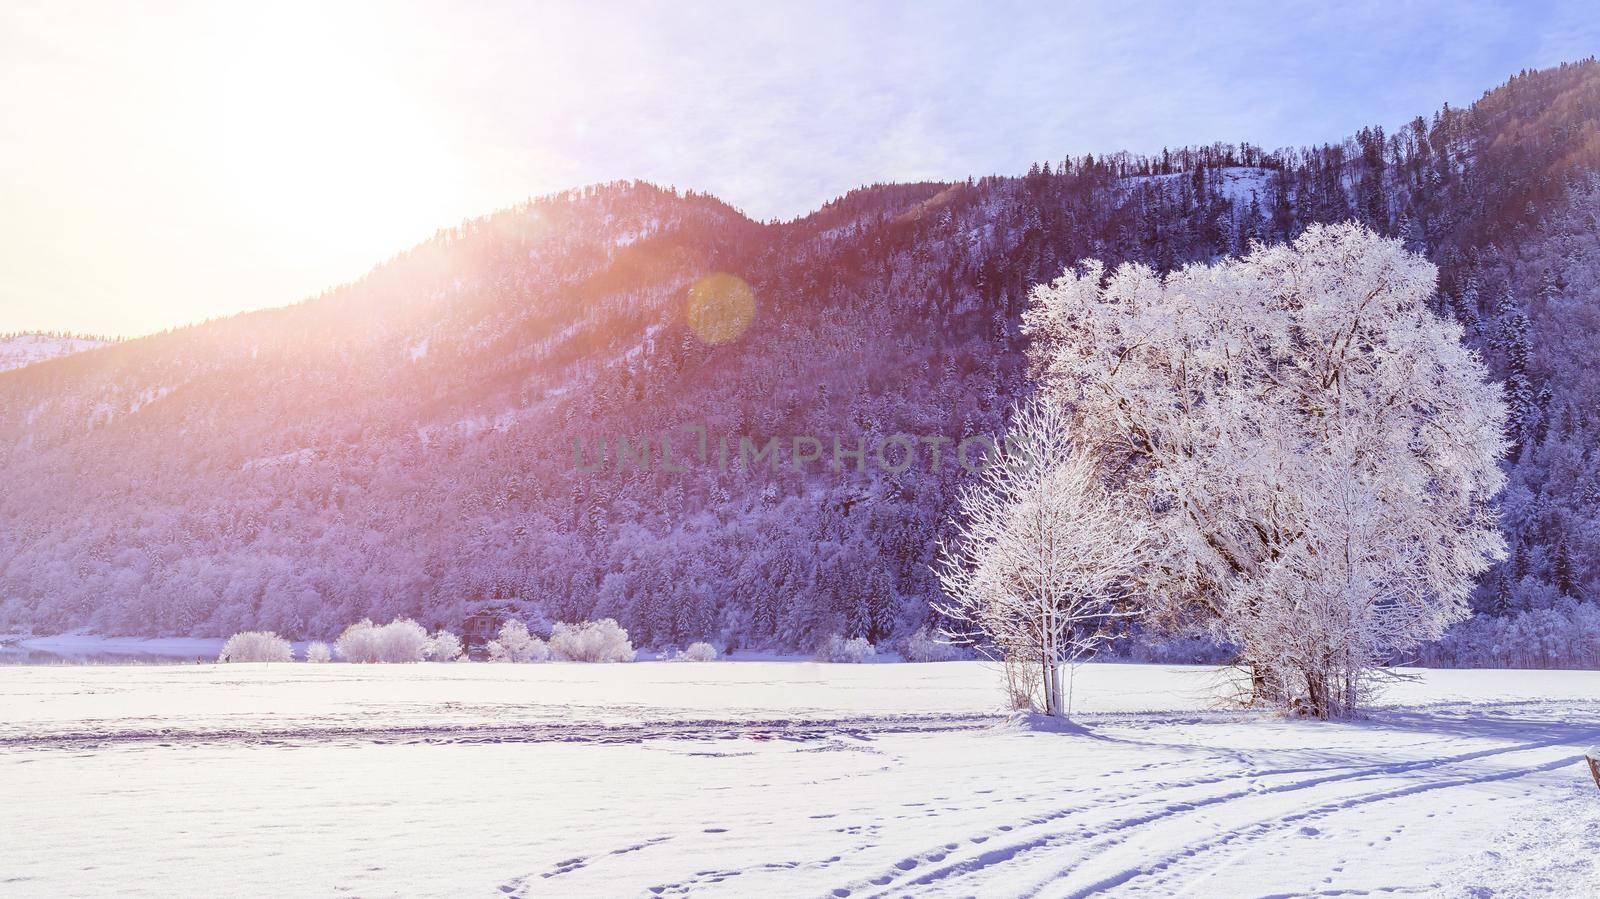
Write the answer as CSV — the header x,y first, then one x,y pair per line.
x,y
405,444
18,350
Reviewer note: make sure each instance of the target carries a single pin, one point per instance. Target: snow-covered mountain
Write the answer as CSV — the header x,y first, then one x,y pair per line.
x,y
427,437
17,350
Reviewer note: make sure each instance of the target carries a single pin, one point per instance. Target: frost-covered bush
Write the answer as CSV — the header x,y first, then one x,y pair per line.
x,y
445,647
925,647
698,652
1022,678
256,646
854,650
359,642
1178,650
1566,635
319,652
401,640
593,641
515,644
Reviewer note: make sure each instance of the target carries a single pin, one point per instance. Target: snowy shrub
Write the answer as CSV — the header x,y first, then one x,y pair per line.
x,y
1023,677
359,642
925,647
444,647
698,652
515,644
401,640
256,646
594,641
854,650
319,652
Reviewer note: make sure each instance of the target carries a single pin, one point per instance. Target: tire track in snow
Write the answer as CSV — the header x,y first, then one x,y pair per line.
x,y
1266,827
1110,834
795,729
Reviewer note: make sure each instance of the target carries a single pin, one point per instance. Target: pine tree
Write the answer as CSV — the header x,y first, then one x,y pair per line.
x,y
1562,570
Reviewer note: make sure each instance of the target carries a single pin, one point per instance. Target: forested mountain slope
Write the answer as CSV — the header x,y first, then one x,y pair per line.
x,y
27,348
405,444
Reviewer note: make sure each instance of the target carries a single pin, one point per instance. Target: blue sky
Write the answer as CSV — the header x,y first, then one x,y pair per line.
x,y
815,103
168,164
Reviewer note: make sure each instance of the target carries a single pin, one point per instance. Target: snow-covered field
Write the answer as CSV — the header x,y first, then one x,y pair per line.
x,y
778,778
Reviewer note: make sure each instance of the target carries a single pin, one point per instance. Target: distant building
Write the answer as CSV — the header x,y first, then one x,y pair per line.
x,y
483,624
479,628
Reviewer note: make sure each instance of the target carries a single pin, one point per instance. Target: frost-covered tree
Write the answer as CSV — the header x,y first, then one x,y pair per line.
x,y
853,650
256,646
697,652
1312,446
1043,555
592,641
515,644
929,646
359,642
444,647
401,640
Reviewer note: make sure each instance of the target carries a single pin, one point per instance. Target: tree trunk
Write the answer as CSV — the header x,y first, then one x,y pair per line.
x,y
1317,695
1052,688
1258,684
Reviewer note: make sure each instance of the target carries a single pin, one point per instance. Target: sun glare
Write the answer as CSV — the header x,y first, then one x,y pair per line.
x,y
319,130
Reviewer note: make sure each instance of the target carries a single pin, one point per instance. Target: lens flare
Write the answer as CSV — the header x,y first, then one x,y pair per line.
x,y
721,308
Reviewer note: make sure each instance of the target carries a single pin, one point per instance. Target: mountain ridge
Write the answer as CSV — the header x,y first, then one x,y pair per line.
x,y
423,415
24,348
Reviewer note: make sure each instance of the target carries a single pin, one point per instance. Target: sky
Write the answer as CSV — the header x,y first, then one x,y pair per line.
x,y
166,163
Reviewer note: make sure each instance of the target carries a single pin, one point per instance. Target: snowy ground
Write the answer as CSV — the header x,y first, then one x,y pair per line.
x,y
20,350
778,779
79,648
